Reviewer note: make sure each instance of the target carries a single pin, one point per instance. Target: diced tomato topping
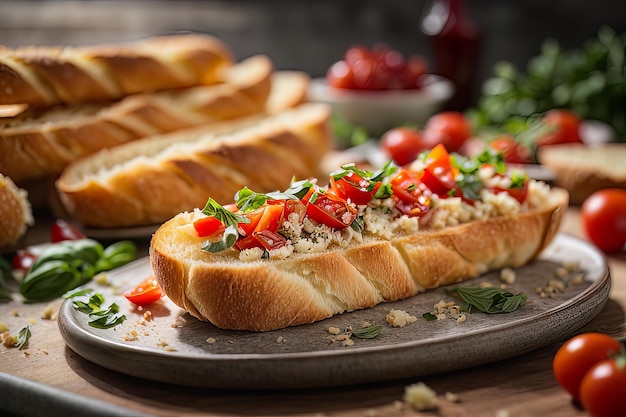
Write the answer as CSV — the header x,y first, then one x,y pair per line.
x,y
411,194
518,193
354,188
439,175
208,226
266,219
329,209
270,240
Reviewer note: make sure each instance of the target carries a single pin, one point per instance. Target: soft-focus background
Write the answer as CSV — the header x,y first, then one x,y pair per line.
x,y
311,35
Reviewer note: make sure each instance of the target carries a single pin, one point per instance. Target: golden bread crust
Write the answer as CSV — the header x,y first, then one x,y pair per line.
x,y
133,184
45,76
272,294
15,212
42,143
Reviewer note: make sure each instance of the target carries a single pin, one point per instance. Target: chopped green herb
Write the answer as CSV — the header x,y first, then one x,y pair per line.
x,y
229,238
22,338
228,218
429,316
367,332
89,302
489,300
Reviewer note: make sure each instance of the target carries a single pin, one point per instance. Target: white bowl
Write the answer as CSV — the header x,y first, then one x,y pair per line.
x,y
379,111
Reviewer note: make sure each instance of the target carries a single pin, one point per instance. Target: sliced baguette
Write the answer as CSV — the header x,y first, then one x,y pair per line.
x,y
272,294
15,212
37,144
150,180
582,169
44,76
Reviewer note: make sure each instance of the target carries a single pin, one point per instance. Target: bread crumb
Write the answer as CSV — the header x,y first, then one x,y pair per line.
x,y
47,313
348,342
334,330
508,276
211,340
281,340
420,396
147,315
32,321
399,318
3,328
502,413
15,313
452,397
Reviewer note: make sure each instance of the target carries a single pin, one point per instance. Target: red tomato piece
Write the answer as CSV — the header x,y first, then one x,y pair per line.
x,y
411,194
354,188
340,75
270,240
23,260
603,216
579,354
208,226
146,292
519,193
62,230
603,389
450,128
439,174
328,209
402,144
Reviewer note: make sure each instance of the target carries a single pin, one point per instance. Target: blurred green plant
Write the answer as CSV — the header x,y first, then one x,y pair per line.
x,y
590,80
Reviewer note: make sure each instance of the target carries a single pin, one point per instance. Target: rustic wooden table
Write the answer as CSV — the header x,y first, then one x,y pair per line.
x,y
48,378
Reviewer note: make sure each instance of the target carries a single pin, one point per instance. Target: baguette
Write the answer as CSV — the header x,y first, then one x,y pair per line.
x,y
134,184
37,144
583,170
45,76
15,212
262,288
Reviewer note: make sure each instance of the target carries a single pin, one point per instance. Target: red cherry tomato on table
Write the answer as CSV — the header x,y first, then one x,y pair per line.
x,y
578,355
449,128
146,292
62,230
603,215
402,144
603,389
564,128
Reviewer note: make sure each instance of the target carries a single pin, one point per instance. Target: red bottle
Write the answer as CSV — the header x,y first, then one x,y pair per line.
x,y
456,42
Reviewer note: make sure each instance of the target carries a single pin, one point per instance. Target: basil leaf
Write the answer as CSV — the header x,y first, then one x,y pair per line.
x,y
106,319
247,200
358,225
367,332
490,300
22,338
229,238
228,218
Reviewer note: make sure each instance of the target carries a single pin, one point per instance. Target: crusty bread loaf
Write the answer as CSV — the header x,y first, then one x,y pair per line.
x,y
582,170
271,294
15,212
43,76
36,144
150,180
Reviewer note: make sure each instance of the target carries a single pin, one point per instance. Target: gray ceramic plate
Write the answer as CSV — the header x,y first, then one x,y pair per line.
x,y
173,346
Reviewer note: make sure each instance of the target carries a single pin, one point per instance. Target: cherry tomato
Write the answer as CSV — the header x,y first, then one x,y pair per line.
x,y
603,389
402,144
450,128
146,292
208,226
603,215
270,240
354,188
439,175
578,355
23,260
565,128
340,75
62,230
513,152
268,218
379,68
329,209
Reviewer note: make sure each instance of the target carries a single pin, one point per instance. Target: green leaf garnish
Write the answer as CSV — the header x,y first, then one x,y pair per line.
x,y
228,218
229,238
248,200
23,337
90,302
429,316
367,332
490,300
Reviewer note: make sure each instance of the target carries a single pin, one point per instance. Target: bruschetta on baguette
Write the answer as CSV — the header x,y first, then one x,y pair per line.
x,y
287,258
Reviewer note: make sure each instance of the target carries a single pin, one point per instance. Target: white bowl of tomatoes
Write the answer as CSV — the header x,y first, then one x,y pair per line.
x,y
379,88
